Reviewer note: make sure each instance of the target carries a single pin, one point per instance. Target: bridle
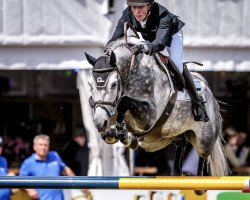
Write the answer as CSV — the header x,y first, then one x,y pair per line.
x,y
101,103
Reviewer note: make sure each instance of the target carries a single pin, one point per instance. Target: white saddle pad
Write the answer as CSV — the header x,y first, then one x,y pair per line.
x,y
200,86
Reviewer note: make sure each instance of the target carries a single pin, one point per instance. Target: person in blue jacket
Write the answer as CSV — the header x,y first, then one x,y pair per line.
x,y
5,194
161,30
44,163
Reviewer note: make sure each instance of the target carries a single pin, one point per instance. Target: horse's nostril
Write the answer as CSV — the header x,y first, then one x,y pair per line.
x,y
105,124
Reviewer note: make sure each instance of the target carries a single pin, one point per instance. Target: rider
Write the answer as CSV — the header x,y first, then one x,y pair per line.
x,y
161,29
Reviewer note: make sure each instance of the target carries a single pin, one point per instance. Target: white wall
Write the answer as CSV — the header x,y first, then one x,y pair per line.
x,y
57,32
51,34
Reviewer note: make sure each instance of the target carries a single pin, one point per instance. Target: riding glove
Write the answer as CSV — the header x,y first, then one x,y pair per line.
x,y
136,49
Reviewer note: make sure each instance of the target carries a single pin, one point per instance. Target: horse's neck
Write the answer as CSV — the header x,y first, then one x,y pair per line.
x,y
145,80
123,57
147,87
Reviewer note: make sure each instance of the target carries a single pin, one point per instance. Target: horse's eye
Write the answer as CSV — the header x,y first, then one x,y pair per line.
x,y
113,85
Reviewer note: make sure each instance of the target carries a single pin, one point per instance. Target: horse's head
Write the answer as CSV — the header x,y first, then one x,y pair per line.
x,y
105,89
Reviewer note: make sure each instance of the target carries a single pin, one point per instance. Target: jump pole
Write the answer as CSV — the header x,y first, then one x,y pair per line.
x,y
128,183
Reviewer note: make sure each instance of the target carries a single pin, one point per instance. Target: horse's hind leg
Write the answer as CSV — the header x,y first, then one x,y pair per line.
x,y
200,173
201,166
179,154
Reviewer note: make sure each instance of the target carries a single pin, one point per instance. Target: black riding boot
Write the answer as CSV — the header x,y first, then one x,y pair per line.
x,y
199,110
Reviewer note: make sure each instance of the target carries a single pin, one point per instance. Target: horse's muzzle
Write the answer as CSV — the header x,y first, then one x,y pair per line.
x,y
101,119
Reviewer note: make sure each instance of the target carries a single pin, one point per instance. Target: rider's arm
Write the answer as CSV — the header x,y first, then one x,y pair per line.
x,y
68,171
162,35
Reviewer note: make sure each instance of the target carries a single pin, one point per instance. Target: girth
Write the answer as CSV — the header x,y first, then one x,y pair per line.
x,y
164,116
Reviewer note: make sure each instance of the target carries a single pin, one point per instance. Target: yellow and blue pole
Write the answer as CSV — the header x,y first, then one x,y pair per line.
x,y
129,183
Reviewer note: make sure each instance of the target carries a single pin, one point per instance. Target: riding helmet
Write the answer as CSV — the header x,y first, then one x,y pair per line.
x,y
139,2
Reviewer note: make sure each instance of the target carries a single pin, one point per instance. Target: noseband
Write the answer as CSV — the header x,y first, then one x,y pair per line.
x,y
100,103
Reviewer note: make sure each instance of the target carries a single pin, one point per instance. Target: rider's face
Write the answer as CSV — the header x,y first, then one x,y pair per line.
x,y
140,12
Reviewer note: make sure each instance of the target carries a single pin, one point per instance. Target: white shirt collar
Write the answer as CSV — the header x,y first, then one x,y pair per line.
x,y
143,23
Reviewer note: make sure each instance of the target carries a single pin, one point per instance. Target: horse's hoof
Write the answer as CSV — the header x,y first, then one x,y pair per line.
x,y
199,192
109,137
110,140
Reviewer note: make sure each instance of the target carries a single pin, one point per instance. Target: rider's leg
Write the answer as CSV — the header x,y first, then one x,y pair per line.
x,y
176,53
200,113
176,50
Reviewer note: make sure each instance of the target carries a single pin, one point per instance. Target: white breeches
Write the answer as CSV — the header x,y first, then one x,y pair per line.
x,y
176,50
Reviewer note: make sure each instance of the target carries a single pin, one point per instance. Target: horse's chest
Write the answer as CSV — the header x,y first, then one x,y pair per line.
x,y
154,141
157,139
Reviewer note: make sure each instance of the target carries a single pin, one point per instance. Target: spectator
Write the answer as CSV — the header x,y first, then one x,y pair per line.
x,y
16,149
44,163
242,151
4,193
76,153
82,155
231,139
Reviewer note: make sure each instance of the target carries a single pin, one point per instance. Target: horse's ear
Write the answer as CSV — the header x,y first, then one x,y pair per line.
x,y
90,59
112,58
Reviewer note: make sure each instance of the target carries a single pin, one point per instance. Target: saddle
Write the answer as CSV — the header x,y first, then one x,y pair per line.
x,y
176,76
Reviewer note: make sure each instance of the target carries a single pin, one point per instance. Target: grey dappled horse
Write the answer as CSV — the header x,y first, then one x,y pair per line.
x,y
142,97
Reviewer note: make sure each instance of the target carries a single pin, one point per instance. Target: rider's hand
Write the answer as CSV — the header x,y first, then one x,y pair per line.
x,y
136,49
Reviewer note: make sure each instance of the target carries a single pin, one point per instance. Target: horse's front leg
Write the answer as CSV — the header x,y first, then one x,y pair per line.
x,y
110,136
113,135
126,137
179,154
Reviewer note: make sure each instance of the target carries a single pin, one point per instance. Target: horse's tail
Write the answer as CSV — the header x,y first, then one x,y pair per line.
x,y
217,160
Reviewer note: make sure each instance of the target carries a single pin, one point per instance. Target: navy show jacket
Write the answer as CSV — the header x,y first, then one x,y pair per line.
x,y
161,25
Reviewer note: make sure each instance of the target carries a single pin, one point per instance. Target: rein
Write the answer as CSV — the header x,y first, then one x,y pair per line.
x,y
128,25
